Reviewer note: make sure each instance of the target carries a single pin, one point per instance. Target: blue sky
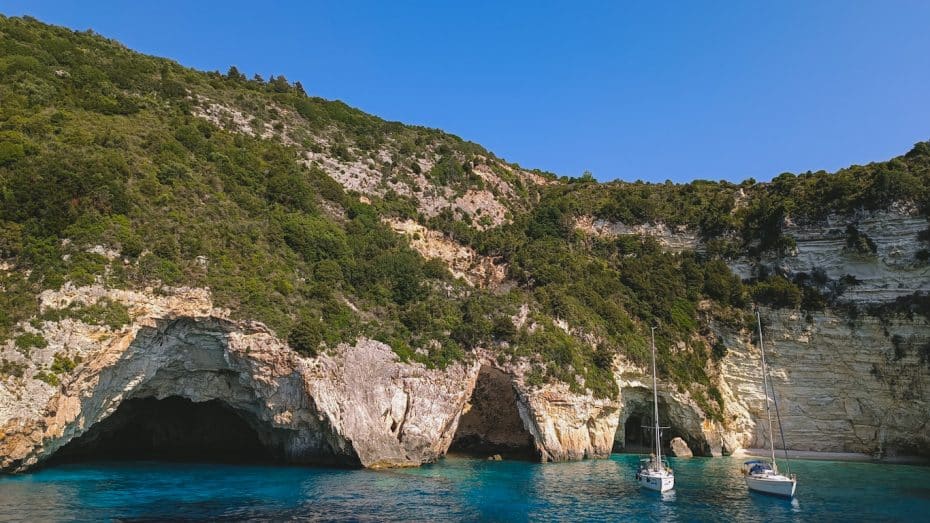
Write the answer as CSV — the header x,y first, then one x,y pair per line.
x,y
631,90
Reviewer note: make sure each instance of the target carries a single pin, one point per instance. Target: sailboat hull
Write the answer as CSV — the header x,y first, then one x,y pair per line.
x,y
775,485
660,482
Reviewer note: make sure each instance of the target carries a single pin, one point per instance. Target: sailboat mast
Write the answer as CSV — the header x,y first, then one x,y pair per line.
x,y
765,384
655,400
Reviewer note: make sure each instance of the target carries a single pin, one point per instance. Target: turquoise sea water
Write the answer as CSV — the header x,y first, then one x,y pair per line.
x,y
460,489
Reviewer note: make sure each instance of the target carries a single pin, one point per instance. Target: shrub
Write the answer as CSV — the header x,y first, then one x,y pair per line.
x,y
11,239
504,329
105,312
47,377
306,336
62,364
12,368
859,242
776,292
28,340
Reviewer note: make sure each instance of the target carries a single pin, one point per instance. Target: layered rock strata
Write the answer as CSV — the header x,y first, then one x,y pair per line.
x,y
842,385
354,404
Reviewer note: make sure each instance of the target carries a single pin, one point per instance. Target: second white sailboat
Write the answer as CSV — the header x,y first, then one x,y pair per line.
x,y
763,476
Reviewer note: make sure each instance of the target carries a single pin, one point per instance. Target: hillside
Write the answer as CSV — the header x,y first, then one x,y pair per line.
x,y
125,172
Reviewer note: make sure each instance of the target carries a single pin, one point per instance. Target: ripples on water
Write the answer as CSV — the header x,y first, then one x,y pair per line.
x,y
460,489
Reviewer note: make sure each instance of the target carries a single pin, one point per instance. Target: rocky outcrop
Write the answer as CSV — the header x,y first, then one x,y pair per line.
x,y
506,414
677,410
680,448
843,385
356,405
890,272
566,425
673,239
387,171
463,262
393,413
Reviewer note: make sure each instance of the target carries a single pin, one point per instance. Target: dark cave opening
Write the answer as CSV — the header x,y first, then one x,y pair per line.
x,y
170,429
493,425
635,434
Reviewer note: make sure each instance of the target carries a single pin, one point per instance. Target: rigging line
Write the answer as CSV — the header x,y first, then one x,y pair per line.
x,y
781,429
765,389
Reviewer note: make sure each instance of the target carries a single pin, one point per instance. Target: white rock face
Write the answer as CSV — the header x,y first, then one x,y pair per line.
x,y
564,425
892,272
678,411
673,239
358,405
395,414
841,387
680,448
568,426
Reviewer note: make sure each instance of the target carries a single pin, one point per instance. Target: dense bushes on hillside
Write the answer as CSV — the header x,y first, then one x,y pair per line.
x,y
102,146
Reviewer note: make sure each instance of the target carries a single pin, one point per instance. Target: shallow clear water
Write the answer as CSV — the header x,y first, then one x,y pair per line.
x,y
461,489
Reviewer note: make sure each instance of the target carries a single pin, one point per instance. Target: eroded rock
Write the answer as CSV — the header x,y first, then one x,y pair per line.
x,y
356,405
842,385
680,449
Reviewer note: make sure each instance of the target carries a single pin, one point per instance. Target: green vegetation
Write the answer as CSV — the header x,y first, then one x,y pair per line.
x,y
103,146
104,312
61,364
28,340
712,208
47,377
859,242
12,368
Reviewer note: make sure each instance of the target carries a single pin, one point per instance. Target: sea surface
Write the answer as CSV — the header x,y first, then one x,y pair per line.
x,y
706,489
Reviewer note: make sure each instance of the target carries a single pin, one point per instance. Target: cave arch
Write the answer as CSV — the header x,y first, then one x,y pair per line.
x,y
492,422
634,433
172,429
200,389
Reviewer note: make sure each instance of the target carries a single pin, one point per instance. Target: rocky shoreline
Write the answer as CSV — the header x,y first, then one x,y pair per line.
x,y
360,405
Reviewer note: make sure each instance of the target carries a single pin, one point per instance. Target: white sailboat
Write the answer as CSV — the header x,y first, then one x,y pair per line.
x,y
761,475
654,472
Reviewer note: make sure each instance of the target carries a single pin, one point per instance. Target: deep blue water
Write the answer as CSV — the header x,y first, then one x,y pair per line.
x,y
460,489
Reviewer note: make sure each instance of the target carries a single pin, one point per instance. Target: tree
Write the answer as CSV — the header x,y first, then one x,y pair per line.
x,y
306,336
234,74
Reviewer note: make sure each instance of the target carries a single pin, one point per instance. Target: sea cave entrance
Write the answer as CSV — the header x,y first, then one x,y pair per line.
x,y
634,437
492,425
203,402
170,429
635,433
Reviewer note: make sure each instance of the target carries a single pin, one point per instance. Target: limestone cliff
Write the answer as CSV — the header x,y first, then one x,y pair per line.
x,y
678,411
853,378
356,404
891,269
842,385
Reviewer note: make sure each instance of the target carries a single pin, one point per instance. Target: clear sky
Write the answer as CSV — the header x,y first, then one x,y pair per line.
x,y
631,90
